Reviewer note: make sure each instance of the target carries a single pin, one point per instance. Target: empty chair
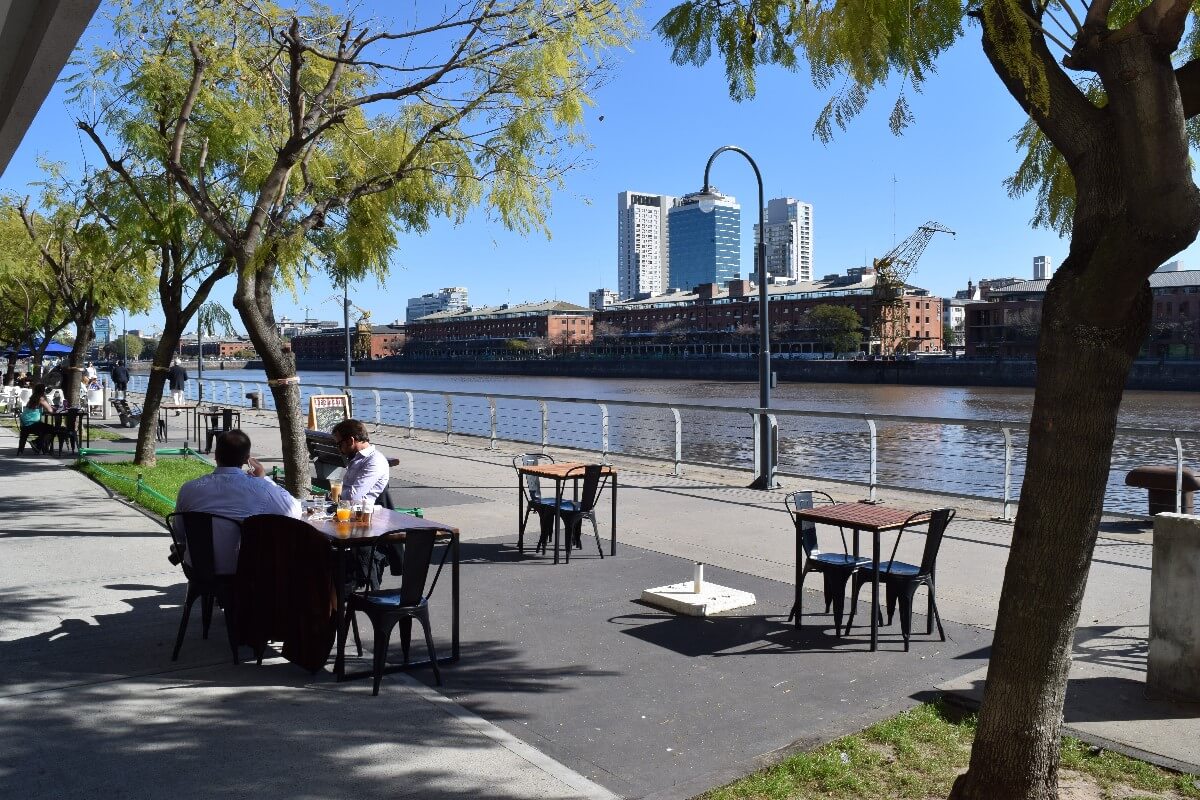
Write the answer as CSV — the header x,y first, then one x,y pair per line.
x,y
386,608
216,426
208,545
95,401
835,567
67,430
574,512
902,580
531,490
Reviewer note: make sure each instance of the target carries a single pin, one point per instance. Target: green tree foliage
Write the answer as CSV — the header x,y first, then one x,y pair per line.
x,y
306,140
1112,92
30,311
128,347
838,328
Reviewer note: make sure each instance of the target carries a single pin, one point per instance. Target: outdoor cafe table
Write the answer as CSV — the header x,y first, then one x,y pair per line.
x,y
859,517
83,424
385,526
163,418
557,472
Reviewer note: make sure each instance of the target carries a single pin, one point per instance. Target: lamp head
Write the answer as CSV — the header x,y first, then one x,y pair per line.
x,y
707,199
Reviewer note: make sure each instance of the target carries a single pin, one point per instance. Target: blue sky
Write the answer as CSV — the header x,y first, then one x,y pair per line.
x,y
660,124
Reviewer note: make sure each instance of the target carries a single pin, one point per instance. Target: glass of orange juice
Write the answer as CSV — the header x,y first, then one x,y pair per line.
x,y
343,510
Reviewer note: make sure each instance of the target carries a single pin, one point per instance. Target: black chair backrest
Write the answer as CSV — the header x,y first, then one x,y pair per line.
x,y
384,499
939,520
194,534
532,484
593,484
227,419
418,553
806,528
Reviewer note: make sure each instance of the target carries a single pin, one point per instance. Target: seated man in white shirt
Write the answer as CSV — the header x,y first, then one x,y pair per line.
x,y
367,476
231,492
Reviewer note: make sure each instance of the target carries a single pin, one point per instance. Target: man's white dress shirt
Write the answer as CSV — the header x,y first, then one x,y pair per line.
x,y
233,493
366,476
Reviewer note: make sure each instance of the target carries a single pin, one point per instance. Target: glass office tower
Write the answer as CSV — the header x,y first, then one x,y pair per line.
x,y
704,247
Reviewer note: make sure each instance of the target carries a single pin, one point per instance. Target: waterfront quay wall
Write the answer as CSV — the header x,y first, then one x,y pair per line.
x,y
1153,375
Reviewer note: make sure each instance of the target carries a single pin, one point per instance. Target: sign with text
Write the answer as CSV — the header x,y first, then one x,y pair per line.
x,y
327,410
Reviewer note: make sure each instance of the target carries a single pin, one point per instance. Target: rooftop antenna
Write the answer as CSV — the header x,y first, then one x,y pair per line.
x,y
894,182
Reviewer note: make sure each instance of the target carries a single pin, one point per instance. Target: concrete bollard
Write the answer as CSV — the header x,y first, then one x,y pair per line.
x,y
1173,671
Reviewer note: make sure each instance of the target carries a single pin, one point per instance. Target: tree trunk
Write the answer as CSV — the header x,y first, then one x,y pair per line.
x,y
147,435
74,372
253,302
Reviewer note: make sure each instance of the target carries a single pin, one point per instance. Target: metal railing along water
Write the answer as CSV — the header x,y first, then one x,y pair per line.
x,y
972,458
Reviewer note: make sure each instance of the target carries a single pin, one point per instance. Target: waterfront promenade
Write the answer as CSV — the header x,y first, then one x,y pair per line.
x,y
568,687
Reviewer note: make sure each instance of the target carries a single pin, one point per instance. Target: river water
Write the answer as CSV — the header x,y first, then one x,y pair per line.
x,y
958,458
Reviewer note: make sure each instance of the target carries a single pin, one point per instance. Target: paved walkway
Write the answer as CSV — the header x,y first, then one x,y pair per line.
x,y
560,659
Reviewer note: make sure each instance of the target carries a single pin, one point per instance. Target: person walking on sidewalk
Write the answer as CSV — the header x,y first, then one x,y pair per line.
x,y
177,376
120,376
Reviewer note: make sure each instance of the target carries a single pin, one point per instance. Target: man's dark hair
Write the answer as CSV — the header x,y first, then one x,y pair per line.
x,y
351,427
233,449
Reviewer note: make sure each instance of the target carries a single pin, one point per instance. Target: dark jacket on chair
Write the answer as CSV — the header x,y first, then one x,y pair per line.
x,y
284,589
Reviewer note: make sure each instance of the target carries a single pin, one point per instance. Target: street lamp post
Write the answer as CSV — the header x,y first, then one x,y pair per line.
x,y
346,320
765,479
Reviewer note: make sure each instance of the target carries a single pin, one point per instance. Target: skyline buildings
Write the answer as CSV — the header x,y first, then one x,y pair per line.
x,y
643,239
601,299
1042,268
452,298
788,239
705,247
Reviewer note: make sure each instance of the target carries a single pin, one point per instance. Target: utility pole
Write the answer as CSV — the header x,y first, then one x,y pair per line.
x,y
346,319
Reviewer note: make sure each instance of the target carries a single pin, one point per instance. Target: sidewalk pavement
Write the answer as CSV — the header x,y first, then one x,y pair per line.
x,y
85,643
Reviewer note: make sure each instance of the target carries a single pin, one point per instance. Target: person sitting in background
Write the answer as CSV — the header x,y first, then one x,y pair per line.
x,y
31,420
232,492
367,476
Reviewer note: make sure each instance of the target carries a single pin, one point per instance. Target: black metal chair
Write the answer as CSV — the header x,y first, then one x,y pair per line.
x,y
215,427
207,545
574,512
67,430
43,437
385,608
902,580
531,489
836,568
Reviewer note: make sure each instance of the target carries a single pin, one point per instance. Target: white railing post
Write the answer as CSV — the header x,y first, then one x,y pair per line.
x,y
449,414
678,441
1178,475
378,407
874,478
774,445
491,423
245,401
1005,513
545,425
603,432
411,414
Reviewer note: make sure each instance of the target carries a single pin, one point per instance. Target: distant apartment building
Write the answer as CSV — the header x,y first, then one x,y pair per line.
x,y
601,299
1042,268
102,330
643,239
705,246
452,298
1172,266
287,328
217,348
788,240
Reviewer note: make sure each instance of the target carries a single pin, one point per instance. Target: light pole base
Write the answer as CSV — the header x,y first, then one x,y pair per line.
x,y
763,482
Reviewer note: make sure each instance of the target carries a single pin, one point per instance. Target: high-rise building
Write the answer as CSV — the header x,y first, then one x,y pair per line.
x,y
1042,268
1172,266
788,240
601,299
102,328
452,298
705,247
643,262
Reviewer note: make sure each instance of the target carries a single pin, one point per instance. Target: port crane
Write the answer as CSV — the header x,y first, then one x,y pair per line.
x,y
889,309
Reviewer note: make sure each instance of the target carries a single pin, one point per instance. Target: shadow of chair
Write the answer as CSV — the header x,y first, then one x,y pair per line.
x,y
388,607
207,545
836,568
902,580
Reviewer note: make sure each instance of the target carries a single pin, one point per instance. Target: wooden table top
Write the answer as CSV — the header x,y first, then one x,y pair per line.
x,y
386,525
861,516
559,470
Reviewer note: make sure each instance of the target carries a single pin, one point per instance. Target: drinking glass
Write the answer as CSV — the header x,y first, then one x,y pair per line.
x,y
335,491
343,510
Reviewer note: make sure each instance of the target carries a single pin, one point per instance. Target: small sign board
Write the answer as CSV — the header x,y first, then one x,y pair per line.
x,y
327,410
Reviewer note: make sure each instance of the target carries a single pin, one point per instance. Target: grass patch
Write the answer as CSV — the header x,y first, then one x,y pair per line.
x,y
918,754
165,478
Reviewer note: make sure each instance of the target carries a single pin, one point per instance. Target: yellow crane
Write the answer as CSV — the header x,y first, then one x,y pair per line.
x,y
889,310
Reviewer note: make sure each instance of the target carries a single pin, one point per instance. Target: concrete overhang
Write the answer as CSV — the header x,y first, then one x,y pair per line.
x,y
36,40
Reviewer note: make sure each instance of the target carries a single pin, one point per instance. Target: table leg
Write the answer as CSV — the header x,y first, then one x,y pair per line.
x,y
520,515
559,486
339,583
874,591
799,576
454,595
612,551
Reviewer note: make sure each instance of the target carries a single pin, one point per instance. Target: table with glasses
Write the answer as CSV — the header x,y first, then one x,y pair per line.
x,y
557,472
385,526
860,517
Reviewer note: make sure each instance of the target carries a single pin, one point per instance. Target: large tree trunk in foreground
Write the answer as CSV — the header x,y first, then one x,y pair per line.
x,y
253,302
1136,206
147,439
73,374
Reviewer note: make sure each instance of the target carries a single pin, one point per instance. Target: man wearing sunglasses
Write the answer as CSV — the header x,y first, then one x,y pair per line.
x,y
366,478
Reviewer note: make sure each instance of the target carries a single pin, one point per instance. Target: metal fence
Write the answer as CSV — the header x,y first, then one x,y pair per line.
x,y
975,458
